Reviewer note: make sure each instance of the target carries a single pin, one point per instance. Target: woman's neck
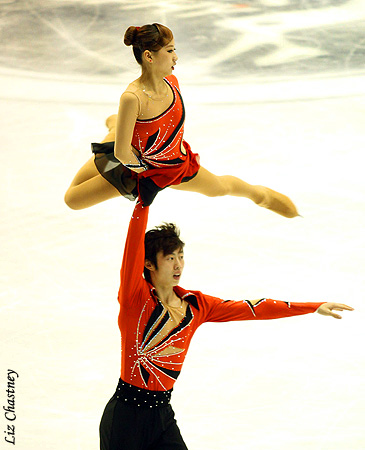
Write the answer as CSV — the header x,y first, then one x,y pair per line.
x,y
152,83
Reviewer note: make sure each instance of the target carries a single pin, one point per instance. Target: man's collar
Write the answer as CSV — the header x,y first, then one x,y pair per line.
x,y
180,292
186,295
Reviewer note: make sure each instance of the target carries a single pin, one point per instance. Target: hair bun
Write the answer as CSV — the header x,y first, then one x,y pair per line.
x,y
130,36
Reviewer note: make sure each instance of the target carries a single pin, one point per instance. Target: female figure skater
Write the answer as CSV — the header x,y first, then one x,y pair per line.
x,y
144,151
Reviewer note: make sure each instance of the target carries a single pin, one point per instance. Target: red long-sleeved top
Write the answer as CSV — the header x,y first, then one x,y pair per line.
x,y
155,338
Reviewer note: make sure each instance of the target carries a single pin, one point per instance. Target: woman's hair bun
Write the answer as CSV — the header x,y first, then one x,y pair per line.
x,y
147,37
130,36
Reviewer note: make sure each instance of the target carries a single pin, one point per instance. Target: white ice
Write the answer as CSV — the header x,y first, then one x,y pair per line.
x,y
278,385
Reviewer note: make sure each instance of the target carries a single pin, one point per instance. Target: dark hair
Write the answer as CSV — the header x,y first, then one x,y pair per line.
x,y
149,37
165,238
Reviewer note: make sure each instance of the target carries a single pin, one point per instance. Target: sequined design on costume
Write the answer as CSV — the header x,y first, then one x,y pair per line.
x,y
257,304
159,140
159,347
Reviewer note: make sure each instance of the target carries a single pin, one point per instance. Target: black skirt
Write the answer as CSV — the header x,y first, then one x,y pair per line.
x,y
113,170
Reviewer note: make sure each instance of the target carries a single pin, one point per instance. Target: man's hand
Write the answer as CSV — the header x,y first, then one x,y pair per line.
x,y
327,309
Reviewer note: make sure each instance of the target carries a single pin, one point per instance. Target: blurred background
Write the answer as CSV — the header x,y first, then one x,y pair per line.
x,y
275,94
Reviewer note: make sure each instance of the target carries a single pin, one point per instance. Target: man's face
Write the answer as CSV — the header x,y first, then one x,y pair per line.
x,y
169,268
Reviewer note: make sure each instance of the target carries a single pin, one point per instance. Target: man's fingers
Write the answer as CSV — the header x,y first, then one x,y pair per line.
x,y
329,312
346,307
336,316
341,307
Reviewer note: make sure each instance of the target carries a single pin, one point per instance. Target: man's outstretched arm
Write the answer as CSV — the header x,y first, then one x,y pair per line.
x,y
218,310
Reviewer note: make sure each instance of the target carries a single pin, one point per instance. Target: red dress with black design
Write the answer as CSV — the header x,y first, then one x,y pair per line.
x,y
161,145
160,142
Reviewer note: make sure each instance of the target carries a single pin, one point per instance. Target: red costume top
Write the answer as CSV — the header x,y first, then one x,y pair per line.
x,y
156,337
161,145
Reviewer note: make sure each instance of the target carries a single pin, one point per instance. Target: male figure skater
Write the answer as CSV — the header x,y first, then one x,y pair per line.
x,y
157,320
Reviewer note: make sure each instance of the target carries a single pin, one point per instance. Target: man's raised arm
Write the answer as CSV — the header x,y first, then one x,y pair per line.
x,y
134,254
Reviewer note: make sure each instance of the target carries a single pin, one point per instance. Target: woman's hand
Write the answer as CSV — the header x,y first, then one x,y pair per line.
x,y
137,164
326,309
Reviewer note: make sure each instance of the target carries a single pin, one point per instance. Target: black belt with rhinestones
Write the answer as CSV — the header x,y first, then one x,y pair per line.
x,y
133,395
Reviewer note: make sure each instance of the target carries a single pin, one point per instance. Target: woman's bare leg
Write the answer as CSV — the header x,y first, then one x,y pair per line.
x,y
212,185
88,187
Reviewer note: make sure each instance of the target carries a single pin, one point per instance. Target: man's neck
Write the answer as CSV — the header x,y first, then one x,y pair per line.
x,y
166,294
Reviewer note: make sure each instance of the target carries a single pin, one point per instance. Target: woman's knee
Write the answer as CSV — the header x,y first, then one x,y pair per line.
x,y
71,200
220,187
212,185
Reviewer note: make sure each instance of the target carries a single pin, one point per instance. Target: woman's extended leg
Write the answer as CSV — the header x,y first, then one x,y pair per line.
x,y
88,187
211,185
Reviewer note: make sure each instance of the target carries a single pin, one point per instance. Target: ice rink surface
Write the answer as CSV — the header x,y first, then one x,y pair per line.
x,y
275,94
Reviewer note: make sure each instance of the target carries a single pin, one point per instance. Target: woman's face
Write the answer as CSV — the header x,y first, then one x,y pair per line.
x,y
165,59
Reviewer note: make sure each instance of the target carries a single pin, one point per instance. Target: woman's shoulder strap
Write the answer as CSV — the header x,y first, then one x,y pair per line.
x,y
173,80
